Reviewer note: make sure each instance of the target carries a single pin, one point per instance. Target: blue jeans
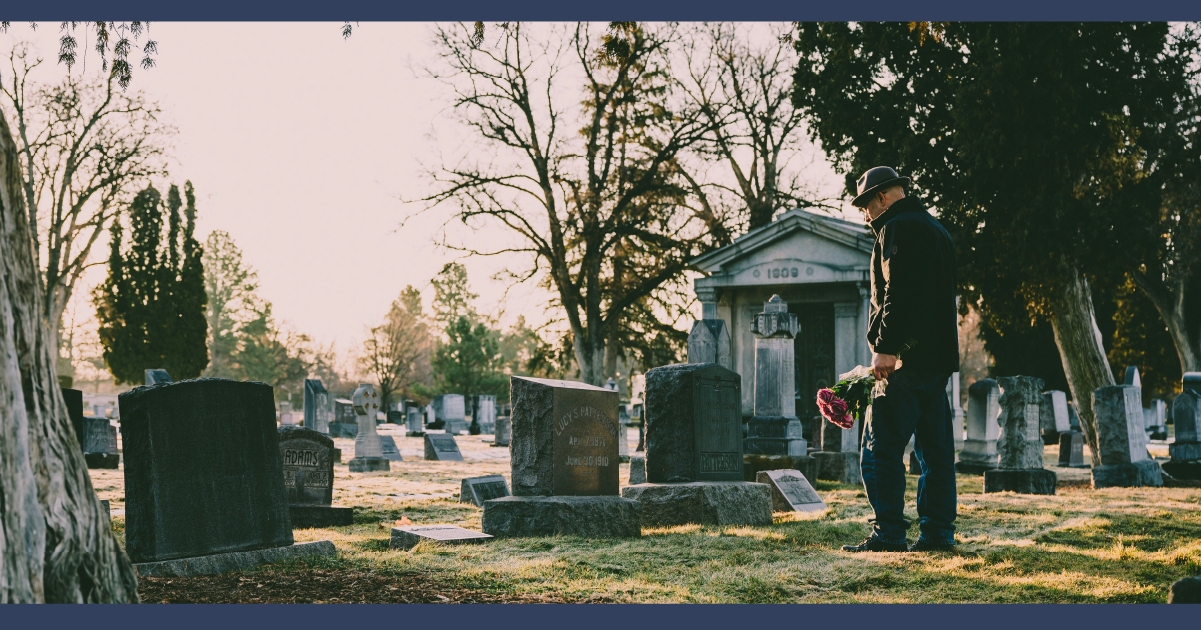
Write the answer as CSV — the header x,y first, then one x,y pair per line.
x,y
914,403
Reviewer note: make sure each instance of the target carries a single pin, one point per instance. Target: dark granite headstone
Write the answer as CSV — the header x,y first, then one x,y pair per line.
x,y
391,453
442,447
318,406
396,417
694,423
97,437
476,490
203,473
791,491
1071,450
74,400
157,377
344,412
564,440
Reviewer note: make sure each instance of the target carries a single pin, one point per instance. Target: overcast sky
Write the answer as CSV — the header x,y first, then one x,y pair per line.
x,y
300,144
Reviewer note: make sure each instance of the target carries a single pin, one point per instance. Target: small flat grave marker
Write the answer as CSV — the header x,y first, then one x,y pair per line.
x,y
391,453
476,490
408,536
790,491
442,447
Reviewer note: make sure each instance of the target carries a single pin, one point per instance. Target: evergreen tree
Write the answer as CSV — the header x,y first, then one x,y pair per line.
x,y
150,314
230,286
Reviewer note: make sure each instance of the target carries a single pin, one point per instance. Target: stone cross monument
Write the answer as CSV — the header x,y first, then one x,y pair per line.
x,y
368,448
775,429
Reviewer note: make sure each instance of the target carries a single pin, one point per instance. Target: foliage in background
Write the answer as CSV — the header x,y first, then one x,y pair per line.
x,y
397,351
151,306
85,148
231,286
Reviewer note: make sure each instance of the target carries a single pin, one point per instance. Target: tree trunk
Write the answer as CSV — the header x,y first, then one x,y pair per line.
x,y
591,359
1170,305
1081,350
56,544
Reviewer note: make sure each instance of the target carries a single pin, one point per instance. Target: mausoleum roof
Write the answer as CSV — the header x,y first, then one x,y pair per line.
x,y
787,226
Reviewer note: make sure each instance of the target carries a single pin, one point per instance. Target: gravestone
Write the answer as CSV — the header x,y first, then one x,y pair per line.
x,y
346,422
431,418
957,416
1122,439
564,464
1020,445
637,470
285,414
308,462
368,448
414,427
1185,450
156,377
1155,419
623,442
486,414
1133,378
476,490
709,342
408,536
318,406
97,436
395,416
775,428
1053,414
504,431
442,447
1071,450
204,482
388,447
983,410
694,451
838,459
791,491
451,412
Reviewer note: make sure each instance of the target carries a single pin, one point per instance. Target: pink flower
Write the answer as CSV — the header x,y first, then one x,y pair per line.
x,y
834,409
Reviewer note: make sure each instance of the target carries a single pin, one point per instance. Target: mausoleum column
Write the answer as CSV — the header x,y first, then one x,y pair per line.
x,y
847,337
865,351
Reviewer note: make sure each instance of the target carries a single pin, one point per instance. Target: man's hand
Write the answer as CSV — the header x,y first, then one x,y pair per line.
x,y
883,365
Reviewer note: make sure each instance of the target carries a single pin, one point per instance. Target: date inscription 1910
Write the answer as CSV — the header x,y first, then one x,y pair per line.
x,y
585,452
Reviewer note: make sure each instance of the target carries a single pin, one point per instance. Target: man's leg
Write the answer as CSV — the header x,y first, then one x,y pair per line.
x,y
934,444
890,424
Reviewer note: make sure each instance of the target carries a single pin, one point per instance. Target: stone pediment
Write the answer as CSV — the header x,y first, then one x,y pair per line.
x,y
799,247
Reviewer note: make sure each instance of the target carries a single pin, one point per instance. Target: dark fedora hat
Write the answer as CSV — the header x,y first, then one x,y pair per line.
x,y
873,181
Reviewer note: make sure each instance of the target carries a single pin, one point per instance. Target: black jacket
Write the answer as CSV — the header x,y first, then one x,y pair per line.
x,y
913,289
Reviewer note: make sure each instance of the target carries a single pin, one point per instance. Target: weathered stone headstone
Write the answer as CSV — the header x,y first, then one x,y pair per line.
x,y
476,490
368,448
414,427
318,406
1071,450
156,377
203,477
442,447
983,410
504,431
308,463
775,429
564,464
388,447
97,436
1020,445
286,417
486,414
450,410
693,451
1133,378
1155,419
839,458
1185,450
694,423
791,491
637,470
957,415
1053,414
1122,439
709,342
408,536
394,416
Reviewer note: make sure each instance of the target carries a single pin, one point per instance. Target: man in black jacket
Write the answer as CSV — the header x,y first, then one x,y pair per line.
x,y
913,333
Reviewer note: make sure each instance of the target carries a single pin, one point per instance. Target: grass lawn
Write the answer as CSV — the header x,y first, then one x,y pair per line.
x,y
1082,545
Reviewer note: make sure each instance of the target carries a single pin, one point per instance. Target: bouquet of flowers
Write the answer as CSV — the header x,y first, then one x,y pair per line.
x,y
847,401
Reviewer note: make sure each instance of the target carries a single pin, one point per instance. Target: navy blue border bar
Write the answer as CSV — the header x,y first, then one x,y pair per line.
x,y
553,10
600,616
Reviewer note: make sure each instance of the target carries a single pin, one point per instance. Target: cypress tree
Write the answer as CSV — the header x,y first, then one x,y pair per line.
x,y
191,330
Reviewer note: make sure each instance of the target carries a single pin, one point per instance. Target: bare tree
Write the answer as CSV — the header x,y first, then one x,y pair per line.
x,y
591,185
85,149
397,352
744,90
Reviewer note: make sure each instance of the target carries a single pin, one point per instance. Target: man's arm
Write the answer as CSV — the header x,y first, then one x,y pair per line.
x,y
900,307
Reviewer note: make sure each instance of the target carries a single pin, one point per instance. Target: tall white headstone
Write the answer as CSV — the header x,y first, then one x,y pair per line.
x,y
983,411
